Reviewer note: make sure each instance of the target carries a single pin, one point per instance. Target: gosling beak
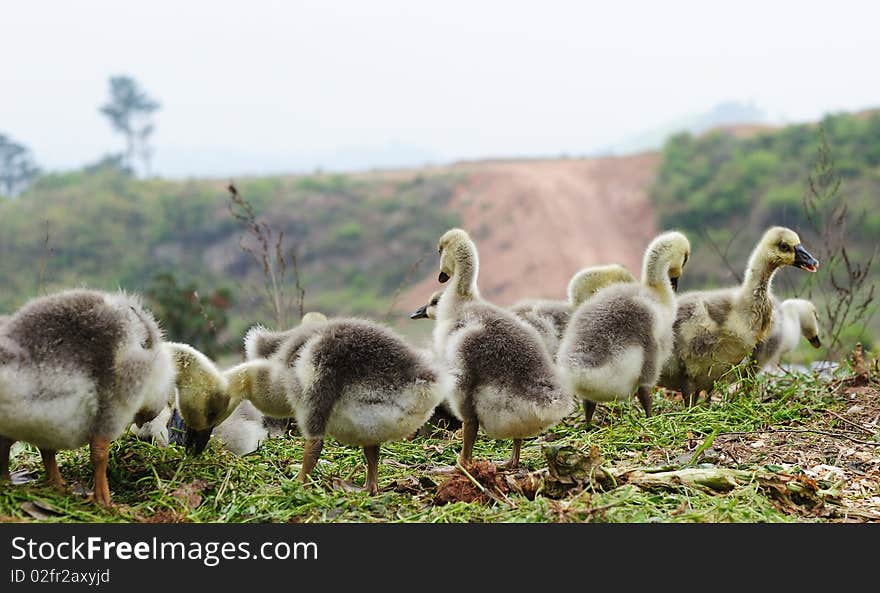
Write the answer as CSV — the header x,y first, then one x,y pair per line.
x,y
443,277
197,440
816,342
674,283
177,429
420,313
803,259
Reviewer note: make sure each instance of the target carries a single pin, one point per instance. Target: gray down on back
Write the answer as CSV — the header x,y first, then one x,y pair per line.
x,y
500,351
352,353
612,321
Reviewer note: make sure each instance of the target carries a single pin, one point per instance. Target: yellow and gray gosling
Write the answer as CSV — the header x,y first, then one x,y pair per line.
x,y
716,329
792,319
351,379
78,367
192,417
618,340
505,378
550,317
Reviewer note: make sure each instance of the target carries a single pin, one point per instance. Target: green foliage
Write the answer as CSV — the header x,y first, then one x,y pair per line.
x,y
186,315
17,167
720,181
355,245
723,191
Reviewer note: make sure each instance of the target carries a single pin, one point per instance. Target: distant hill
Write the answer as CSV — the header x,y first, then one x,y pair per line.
x,y
366,242
729,114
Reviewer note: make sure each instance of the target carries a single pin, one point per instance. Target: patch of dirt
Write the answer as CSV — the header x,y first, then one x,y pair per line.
x,y
840,447
461,488
549,219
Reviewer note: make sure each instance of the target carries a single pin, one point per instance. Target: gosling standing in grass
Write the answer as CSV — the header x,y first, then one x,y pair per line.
x,y
617,341
351,379
78,367
506,381
550,317
792,319
716,329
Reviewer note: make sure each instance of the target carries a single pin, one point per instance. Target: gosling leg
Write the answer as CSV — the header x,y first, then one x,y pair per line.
x,y
371,453
688,393
311,453
513,462
99,449
53,474
646,399
5,450
589,410
469,436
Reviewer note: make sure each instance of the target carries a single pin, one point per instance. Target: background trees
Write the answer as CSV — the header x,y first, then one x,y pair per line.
x,y
130,110
17,166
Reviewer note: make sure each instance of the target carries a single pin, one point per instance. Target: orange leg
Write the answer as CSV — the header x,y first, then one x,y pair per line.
x,y
5,449
372,455
53,474
100,454
311,453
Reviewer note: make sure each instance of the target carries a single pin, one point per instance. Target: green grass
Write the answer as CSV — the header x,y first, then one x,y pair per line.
x,y
261,487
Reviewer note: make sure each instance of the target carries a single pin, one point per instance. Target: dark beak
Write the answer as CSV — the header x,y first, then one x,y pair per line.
x,y
443,277
420,313
197,440
674,283
803,259
177,429
815,342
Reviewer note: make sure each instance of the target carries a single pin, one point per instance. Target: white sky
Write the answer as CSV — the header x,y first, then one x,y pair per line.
x,y
253,86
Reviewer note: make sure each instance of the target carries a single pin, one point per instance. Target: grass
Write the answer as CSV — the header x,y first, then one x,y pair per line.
x,y
163,484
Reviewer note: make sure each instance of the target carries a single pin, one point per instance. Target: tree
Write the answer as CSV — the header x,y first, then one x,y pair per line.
x,y
17,167
130,112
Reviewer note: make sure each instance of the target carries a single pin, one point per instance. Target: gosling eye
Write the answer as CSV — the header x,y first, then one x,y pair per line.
x,y
785,247
684,263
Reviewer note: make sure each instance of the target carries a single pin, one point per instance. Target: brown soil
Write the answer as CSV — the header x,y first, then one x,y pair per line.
x,y
538,222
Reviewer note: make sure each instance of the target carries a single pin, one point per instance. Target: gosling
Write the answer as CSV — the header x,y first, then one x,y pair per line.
x,y
792,319
716,329
550,317
78,367
505,379
351,379
617,341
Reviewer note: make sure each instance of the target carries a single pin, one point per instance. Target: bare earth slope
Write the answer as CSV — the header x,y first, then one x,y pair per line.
x,y
537,222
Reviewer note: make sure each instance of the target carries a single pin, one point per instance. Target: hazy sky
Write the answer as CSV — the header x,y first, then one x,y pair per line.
x,y
255,86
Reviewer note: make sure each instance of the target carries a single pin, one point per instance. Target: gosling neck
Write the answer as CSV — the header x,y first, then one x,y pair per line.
x,y
655,276
467,266
758,277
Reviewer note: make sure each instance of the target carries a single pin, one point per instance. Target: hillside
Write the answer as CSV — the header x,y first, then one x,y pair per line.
x,y
366,243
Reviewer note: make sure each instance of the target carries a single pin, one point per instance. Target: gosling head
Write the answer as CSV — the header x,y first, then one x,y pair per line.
x,y
202,397
808,318
783,247
313,317
586,282
451,243
670,247
429,309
